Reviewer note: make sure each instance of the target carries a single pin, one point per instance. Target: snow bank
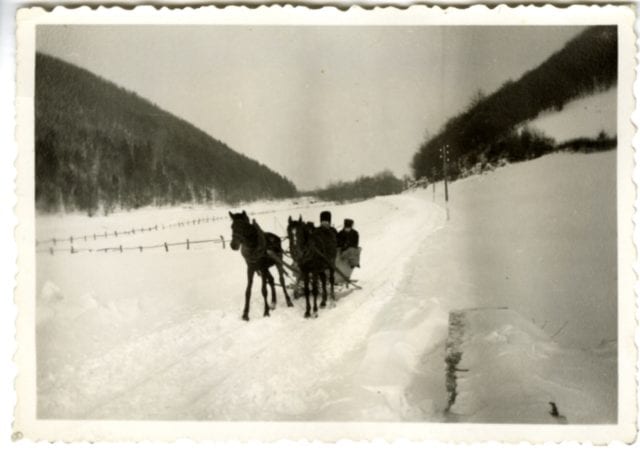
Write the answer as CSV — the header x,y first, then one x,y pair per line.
x,y
538,238
541,238
510,369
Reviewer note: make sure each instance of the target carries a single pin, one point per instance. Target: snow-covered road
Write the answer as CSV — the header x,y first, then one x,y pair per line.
x,y
158,335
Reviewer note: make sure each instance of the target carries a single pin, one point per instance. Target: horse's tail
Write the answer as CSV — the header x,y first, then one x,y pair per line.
x,y
274,249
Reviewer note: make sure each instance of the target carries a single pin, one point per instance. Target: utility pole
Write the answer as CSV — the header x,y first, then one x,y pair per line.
x,y
444,154
433,182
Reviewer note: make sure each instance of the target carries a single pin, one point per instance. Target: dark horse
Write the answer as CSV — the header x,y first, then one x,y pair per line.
x,y
254,244
314,252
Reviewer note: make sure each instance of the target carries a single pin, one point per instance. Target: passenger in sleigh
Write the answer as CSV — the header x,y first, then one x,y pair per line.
x,y
348,244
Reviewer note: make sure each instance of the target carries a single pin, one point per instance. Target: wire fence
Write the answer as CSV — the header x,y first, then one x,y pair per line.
x,y
140,248
168,246
74,240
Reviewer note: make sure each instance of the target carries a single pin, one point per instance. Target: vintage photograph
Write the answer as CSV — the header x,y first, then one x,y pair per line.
x,y
329,223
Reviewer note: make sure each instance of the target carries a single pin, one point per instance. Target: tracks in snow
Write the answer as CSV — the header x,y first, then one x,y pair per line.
x,y
276,368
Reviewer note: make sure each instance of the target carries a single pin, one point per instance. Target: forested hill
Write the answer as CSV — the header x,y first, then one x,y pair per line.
x,y
488,129
100,146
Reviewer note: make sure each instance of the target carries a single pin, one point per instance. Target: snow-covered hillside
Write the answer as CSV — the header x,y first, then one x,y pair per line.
x,y
583,117
158,335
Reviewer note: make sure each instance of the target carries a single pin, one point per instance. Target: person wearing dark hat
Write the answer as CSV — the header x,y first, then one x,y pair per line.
x,y
325,221
348,244
348,237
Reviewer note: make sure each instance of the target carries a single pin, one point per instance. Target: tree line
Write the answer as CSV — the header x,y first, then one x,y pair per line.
x,y
98,146
364,187
602,142
491,128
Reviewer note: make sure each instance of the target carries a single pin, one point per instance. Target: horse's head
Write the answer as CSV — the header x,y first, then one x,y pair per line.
x,y
240,229
297,233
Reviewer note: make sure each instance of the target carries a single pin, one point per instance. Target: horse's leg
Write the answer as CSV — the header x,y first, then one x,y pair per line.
x,y
284,287
323,280
297,284
247,293
271,282
305,277
332,283
314,287
263,274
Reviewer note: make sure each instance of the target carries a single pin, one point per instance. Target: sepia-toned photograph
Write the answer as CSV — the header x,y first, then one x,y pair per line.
x,y
329,222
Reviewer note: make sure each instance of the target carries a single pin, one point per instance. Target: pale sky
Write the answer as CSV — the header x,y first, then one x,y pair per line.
x,y
316,104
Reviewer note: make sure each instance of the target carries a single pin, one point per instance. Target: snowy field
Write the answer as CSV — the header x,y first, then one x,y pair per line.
x,y
158,335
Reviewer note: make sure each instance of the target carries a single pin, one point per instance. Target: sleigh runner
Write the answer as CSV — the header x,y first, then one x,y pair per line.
x,y
344,265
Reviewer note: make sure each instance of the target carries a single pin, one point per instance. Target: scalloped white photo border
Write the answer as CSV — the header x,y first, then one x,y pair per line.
x,y
26,423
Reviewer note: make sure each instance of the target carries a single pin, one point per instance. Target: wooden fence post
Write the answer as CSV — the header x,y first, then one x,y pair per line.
x,y
166,247
223,244
187,243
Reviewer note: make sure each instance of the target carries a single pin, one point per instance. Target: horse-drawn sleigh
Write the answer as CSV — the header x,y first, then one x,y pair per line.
x,y
308,243
314,258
